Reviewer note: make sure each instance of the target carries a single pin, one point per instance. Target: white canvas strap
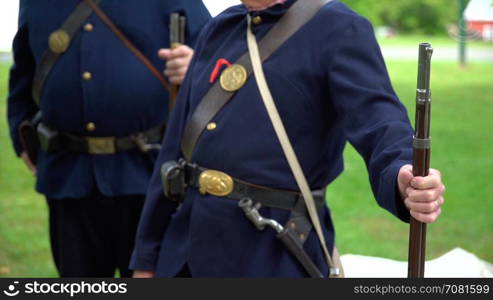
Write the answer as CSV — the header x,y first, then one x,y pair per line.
x,y
286,145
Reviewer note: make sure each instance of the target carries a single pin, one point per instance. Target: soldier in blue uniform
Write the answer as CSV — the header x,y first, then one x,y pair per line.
x,y
330,85
97,91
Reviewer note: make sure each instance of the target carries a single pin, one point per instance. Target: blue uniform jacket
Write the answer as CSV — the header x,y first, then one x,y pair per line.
x,y
122,97
330,85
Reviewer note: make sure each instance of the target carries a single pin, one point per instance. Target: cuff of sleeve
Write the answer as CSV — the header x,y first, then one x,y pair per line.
x,y
389,195
143,260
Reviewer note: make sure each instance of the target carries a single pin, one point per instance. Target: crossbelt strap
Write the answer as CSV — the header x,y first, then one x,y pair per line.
x,y
71,26
286,144
127,43
296,16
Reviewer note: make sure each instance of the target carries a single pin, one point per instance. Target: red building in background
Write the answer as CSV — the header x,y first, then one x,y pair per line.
x,y
479,17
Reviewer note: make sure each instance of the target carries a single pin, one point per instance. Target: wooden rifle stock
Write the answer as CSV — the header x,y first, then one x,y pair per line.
x,y
421,157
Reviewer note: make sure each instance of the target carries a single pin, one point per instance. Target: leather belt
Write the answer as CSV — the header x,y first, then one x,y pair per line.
x,y
221,184
251,197
145,141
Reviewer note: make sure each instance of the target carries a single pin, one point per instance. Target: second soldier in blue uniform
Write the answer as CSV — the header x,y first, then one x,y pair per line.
x,y
96,97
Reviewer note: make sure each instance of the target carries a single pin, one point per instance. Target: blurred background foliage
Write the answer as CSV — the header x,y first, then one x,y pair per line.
x,y
431,17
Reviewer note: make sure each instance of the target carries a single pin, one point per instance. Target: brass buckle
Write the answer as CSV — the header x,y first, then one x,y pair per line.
x,y
215,183
101,145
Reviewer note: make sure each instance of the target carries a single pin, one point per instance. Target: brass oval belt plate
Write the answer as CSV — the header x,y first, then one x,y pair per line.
x,y
59,41
215,183
233,78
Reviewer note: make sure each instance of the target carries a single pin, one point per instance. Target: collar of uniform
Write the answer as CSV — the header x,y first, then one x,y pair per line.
x,y
272,3
276,10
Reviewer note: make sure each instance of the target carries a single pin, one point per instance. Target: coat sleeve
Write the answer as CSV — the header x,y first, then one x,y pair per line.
x,y
20,104
157,208
197,17
374,121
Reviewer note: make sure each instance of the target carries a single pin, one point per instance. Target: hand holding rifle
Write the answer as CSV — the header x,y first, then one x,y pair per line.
x,y
423,196
177,61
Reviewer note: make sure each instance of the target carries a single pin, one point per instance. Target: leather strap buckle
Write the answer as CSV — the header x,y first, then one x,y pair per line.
x,y
101,145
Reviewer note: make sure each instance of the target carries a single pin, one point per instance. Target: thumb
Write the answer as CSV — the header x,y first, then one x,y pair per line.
x,y
404,178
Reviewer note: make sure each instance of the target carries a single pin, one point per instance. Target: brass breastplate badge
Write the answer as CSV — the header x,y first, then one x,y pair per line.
x,y
233,78
59,41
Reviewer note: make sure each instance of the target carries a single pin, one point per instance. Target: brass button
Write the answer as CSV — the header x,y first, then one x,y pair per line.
x,y
257,20
90,126
87,75
211,126
88,27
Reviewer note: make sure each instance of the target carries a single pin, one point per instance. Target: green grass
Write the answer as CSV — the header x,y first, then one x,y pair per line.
x,y
462,129
24,247
437,41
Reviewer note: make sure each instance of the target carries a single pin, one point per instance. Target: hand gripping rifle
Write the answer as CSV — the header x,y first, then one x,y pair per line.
x,y
177,27
421,157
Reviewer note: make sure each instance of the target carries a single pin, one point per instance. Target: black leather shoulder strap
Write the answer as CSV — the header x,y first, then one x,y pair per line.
x,y
68,30
297,15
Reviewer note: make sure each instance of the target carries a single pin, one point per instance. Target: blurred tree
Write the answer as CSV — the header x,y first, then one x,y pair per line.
x,y
409,16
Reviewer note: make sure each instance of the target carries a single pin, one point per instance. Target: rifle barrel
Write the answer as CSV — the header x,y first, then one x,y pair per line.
x,y
174,29
182,29
421,157
177,28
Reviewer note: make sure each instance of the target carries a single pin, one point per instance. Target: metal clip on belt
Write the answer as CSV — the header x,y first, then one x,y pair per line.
x,y
287,236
